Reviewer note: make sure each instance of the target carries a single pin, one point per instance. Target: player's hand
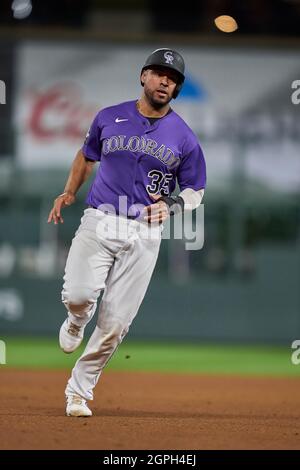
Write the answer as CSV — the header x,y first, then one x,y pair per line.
x,y
157,212
63,200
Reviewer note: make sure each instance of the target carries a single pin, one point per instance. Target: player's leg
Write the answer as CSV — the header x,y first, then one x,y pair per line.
x,y
126,286
86,270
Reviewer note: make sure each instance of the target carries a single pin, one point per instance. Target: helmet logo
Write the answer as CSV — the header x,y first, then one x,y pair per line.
x,y
169,58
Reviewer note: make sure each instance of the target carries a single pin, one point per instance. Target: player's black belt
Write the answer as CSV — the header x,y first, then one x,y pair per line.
x,y
131,217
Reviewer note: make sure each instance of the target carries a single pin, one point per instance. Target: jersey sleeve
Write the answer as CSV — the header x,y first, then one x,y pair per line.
x,y
191,172
92,146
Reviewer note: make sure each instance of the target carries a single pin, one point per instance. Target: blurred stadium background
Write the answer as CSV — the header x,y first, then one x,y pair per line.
x,y
236,301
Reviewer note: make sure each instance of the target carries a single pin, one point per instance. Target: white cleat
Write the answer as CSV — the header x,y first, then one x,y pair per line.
x,y
70,336
77,407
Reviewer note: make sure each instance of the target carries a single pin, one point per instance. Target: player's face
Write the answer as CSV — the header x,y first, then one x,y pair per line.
x,y
159,85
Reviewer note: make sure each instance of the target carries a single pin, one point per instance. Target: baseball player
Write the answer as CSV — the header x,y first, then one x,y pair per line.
x,y
143,147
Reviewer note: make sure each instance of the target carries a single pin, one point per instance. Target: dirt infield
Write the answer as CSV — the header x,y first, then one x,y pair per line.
x,y
151,411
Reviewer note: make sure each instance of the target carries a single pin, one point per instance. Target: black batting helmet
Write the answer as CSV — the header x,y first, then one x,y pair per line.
x,y
167,58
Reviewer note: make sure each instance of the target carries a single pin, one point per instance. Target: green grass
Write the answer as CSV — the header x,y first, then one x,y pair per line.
x,y
166,357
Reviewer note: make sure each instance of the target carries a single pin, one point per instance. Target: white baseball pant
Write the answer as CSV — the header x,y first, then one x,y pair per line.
x,y
118,255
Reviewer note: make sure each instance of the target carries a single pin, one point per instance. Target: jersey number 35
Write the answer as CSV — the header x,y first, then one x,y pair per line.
x,y
159,182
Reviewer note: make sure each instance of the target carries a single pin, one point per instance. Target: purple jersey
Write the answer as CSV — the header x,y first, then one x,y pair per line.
x,y
139,159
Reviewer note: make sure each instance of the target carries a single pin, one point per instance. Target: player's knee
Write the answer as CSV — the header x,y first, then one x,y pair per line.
x,y
79,300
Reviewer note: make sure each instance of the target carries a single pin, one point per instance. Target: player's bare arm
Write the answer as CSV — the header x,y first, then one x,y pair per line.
x,y
79,173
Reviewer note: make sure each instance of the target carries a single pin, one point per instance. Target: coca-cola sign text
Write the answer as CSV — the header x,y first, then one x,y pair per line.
x,y
59,112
